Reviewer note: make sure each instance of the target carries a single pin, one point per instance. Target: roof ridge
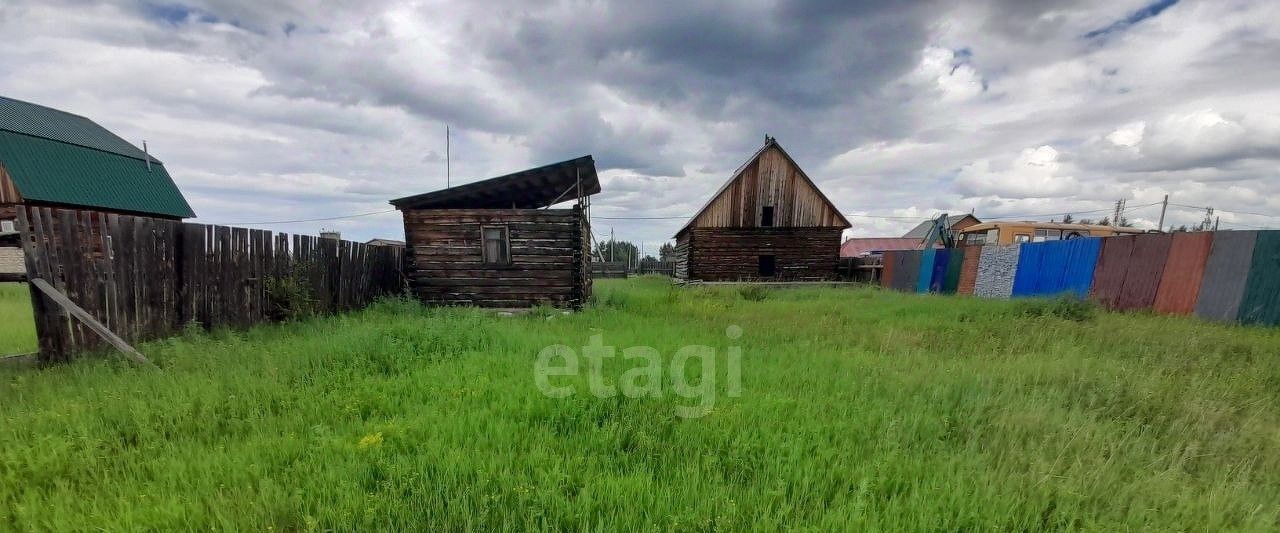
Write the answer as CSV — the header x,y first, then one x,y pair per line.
x,y
78,145
65,112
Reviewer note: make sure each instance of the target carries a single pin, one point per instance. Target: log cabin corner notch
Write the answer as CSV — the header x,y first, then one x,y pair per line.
x,y
496,243
768,222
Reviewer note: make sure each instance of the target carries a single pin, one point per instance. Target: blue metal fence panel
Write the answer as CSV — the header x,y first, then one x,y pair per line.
x,y
1054,260
1026,276
941,261
1056,267
1079,265
927,258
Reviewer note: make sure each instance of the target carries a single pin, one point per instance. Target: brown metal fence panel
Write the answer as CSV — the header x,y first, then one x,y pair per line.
x,y
888,270
1261,301
1108,277
1146,266
1225,274
1183,273
146,278
969,271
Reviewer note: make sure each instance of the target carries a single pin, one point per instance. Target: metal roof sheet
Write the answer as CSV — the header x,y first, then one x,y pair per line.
x,y
527,189
859,246
49,123
52,171
922,229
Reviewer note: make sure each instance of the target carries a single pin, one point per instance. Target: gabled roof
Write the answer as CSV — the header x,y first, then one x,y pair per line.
x,y
770,142
56,157
857,247
527,189
922,229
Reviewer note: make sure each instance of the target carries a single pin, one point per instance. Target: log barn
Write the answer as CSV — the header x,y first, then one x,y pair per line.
x,y
769,222
497,243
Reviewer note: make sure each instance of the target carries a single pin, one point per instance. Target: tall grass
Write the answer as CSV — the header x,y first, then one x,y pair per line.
x,y
17,330
862,409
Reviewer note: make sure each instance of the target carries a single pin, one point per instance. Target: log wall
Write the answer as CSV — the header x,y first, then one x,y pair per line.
x,y
732,254
682,256
549,257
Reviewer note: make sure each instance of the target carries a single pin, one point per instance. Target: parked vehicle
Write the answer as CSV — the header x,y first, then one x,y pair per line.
x,y
1026,231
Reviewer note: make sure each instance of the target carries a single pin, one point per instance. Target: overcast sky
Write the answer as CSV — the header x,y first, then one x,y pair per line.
x,y
1007,108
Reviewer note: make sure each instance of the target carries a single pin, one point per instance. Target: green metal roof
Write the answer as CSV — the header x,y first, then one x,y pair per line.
x,y
57,157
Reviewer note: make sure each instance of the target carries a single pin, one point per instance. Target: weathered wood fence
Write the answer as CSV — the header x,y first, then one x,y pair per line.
x,y
609,269
663,268
147,278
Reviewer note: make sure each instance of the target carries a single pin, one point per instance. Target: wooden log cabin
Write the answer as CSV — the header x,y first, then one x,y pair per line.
x,y
496,243
51,158
769,222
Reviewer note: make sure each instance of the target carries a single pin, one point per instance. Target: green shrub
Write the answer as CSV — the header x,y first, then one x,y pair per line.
x,y
753,293
288,297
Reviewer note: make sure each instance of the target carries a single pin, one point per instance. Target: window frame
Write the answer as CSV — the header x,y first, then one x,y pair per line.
x,y
773,264
506,245
767,222
1019,238
8,226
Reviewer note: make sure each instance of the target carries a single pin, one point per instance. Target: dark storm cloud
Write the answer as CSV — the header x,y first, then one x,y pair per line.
x,y
765,68
311,108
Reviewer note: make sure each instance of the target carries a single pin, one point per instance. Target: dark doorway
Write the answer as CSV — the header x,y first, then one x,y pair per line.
x,y
766,216
768,266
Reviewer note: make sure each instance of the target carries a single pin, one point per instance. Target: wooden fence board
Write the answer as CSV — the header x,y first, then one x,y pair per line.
x,y
143,278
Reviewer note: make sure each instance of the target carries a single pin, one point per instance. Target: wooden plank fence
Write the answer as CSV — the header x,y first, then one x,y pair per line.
x,y
609,269
146,278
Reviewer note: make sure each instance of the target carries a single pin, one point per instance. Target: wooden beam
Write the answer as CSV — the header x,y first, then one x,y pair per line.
x,y
88,320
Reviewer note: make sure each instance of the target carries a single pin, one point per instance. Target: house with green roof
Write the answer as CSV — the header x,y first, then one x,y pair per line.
x,y
52,158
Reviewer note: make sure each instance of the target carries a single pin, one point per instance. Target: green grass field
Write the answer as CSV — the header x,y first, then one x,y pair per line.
x,y
859,409
17,331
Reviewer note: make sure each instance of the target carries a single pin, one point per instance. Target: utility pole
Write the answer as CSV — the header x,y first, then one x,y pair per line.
x,y
448,163
612,244
1208,220
1162,210
1215,223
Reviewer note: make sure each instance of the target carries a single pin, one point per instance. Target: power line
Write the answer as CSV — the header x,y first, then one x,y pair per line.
x,y
638,218
897,217
1226,210
344,217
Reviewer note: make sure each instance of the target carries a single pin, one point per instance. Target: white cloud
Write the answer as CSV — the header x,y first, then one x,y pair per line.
x,y
281,110
1035,173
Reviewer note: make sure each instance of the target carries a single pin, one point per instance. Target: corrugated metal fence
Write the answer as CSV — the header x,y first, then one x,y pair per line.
x,y
1231,276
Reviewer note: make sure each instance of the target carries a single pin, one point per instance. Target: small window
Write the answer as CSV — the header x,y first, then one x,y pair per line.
x,y
766,216
6,226
1047,235
1021,237
975,239
497,245
768,266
